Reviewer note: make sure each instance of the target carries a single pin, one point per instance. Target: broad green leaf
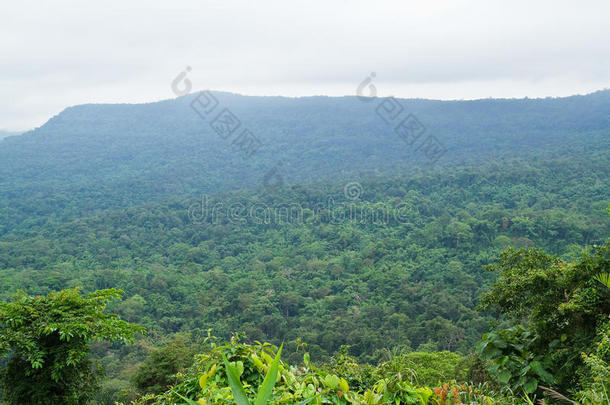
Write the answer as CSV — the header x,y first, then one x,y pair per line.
x,y
266,358
491,352
331,381
188,401
266,389
504,376
343,385
239,394
308,400
530,386
604,278
204,378
306,359
538,369
238,367
482,344
257,362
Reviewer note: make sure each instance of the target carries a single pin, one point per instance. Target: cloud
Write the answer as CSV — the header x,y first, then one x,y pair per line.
x,y
62,53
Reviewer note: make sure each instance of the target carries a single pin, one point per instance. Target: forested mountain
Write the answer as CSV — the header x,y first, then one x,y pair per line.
x,y
113,156
338,229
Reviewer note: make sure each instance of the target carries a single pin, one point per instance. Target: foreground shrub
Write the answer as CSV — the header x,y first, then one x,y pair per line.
x,y
597,380
209,382
158,371
556,310
47,338
424,368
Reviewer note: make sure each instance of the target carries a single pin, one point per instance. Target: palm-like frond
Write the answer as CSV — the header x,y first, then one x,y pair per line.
x,y
556,395
604,278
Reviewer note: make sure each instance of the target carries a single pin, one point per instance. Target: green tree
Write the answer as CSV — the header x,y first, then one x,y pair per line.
x,y
158,371
47,341
561,304
459,232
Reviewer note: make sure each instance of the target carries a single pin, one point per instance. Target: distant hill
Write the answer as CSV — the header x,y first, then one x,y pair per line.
x,y
116,155
4,134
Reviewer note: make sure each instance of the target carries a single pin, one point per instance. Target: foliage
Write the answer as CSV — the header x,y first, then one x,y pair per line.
x,y
359,376
110,196
452,393
603,278
158,371
562,305
211,382
328,282
266,389
512,360
597,380
47,341
447,366
96,157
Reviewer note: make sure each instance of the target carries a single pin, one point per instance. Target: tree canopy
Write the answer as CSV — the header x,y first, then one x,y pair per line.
x,y
47,341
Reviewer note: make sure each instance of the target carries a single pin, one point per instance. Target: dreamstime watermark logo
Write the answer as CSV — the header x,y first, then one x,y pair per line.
x,y
406,126
215,212
352,191
367,84
181,81
226,125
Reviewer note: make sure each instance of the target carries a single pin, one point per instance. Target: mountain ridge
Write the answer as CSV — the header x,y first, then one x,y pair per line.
x,y
131,153
597,93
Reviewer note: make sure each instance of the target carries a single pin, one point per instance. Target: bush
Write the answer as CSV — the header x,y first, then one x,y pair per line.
x,y
158,371
207,381
47,340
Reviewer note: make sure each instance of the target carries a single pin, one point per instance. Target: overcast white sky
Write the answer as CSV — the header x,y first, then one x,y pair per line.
x,y
54,54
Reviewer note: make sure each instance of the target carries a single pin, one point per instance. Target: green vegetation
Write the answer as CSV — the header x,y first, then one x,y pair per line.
x,y
563,307
97,157
227,374
231,371
47,342
388,288
565,310
411,283
159,369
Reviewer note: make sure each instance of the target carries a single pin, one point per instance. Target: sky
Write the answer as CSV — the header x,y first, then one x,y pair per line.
x,y
55,54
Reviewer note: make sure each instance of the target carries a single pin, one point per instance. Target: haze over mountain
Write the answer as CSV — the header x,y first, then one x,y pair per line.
x,y
4,134
125,146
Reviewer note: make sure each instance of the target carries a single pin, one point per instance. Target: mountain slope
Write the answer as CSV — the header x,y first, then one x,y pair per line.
x,y
111,156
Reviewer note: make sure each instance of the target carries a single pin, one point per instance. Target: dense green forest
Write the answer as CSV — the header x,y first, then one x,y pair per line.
x,y
362,251
99,157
